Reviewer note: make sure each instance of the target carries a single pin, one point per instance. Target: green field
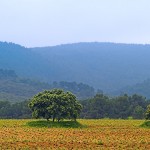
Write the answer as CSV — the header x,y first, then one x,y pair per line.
x,y
85,134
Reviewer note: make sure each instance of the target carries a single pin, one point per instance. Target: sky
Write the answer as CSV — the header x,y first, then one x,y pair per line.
x,y
37,23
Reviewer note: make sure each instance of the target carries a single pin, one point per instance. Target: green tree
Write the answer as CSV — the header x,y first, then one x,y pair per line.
x,y
138,112
55,104
147,113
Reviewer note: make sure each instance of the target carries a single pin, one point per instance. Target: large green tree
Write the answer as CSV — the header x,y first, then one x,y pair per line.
x,y
55,104
147,113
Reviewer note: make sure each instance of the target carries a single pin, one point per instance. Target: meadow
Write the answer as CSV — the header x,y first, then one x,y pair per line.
x,y
66,135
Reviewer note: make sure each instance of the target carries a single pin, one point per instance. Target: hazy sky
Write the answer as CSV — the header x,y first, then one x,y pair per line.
x,y
52,22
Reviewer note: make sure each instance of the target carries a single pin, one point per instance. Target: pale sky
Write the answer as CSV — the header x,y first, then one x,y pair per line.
x,y
34,23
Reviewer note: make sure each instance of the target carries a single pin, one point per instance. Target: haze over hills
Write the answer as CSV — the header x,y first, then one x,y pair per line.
x,y
13,88
142,88
16,89
22,60
106,66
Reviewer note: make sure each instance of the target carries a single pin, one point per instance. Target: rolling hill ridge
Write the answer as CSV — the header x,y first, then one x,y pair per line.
x,y
105,66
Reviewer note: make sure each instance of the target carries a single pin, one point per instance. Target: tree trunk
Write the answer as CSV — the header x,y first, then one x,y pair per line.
x,y
53,119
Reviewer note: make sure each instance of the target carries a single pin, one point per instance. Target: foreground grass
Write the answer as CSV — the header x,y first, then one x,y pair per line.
x,y
84,134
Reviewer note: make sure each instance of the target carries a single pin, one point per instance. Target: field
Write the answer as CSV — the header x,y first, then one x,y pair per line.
x,y
86,134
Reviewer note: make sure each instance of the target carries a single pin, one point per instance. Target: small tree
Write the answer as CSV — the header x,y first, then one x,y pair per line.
x,y
147,113
55,104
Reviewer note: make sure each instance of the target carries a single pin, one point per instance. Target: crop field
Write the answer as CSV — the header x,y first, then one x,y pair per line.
x,y
86,134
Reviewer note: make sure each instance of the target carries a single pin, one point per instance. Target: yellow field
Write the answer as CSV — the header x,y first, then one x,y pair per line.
x,y
99,134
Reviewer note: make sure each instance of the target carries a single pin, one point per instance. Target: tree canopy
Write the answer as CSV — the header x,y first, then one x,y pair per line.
x,y
147,113
124,106
55,104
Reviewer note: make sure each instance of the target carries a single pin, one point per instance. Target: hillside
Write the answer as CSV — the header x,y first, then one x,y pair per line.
x,y
25,62
15,89
106,66
142,88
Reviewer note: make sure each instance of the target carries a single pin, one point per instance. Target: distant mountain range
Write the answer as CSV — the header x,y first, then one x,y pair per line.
x,y
106,66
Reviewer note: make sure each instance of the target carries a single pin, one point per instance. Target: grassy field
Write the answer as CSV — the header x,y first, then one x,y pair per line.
x,y
86,134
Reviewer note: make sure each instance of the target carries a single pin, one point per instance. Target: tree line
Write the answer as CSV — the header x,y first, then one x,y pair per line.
x,y
123,107
18,110
100,106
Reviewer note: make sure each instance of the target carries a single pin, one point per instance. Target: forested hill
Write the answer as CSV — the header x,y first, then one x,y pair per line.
x,y
142,88
22,60
15,89
106,66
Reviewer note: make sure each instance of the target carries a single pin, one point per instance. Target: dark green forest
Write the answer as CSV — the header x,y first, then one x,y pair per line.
x,y
123,107
100,106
